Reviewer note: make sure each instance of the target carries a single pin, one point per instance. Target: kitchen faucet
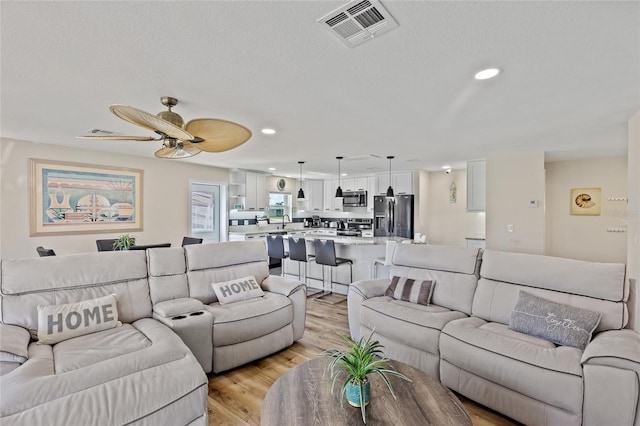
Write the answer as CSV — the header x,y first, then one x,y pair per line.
x,y
283,223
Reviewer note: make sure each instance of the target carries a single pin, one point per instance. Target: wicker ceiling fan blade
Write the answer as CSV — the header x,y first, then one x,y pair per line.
x,y
118,138
149,121
177,150
218,135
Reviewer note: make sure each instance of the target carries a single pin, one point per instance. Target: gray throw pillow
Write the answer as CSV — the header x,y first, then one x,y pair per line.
x,y
410,290
558,323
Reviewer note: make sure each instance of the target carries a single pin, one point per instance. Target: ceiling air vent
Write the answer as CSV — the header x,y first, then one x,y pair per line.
x,y
358,21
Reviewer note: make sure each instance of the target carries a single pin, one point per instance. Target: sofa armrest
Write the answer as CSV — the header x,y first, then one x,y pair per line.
x,y
14,343
281,285
616,348
297,293
611,369
370,288
358,293
170,308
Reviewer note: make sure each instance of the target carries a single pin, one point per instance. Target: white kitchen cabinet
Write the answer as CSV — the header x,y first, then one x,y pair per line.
x,y
361,184
330,201
316,195
248,189
476,185
371,192
256,191
262,197
402,183
348,184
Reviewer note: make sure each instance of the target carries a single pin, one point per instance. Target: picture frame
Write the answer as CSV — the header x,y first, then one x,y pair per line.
x,y
73,198
586,201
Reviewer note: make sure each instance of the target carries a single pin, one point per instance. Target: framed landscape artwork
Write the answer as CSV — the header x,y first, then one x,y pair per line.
x,y
72,198
586,201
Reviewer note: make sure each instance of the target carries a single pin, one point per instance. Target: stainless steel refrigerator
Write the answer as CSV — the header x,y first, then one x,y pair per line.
x,y
393,216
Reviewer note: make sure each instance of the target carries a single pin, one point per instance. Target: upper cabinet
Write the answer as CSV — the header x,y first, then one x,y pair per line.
x,y
476,185
330,200
402,183
248,189
314,195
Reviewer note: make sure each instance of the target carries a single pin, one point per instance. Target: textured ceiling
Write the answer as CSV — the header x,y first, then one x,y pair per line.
x,y
571,78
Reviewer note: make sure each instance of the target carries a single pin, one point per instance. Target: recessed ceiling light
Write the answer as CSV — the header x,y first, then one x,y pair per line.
x,y
288,176
268,131
446,167
343,174
272,168
487,74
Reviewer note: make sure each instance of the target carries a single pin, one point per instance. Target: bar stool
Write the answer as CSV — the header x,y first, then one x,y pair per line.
x,y
275,249
326,256
298,252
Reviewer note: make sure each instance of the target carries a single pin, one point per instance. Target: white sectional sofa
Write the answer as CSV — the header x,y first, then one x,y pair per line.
x,y
527,378
138,373
151,369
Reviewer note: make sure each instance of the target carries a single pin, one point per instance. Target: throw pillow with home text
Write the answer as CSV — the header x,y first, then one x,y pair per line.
x,y
238,289
61,322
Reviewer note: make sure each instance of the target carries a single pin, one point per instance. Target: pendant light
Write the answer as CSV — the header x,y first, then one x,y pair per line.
x,y
339,190
390,189
300,191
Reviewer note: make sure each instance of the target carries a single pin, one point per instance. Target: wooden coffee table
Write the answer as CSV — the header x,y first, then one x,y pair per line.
x,y
302,396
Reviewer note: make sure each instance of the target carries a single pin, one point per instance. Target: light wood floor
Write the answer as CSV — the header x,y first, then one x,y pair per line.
x,y
235,397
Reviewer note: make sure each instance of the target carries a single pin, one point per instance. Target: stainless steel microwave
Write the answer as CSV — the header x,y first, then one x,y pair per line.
x,y
354,199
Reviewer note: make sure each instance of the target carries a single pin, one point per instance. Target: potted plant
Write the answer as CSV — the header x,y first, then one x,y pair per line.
x,y
363,358
124,242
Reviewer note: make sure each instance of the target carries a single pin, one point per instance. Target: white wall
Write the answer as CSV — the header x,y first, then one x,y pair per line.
x,y
165,186
633,218
450,224
512,181
586,237
421,219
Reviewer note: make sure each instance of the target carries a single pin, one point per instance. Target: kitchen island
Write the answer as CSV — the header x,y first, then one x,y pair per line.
x,y
362,252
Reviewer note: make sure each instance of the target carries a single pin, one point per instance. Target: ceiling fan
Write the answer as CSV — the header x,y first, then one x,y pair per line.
x,y
179,140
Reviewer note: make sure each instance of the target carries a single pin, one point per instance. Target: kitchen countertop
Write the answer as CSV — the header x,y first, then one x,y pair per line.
x,y
309,234
351,241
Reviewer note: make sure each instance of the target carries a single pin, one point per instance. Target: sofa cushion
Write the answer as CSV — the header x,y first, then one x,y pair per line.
x,y
249,319
411,290
556,322
61,322
408,323
236,290
525,364
97,347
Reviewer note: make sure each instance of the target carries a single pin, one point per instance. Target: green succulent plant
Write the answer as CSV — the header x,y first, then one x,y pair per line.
x,y
124,242
363,358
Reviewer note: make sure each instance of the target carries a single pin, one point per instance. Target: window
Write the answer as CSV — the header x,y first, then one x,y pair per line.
x,y
279,205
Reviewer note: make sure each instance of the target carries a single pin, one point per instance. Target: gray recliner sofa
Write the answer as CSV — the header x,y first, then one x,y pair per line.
x,y
527,378
225,336
137,373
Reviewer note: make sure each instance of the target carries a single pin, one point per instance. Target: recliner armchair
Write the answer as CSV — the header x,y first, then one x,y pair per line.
x,y
225,336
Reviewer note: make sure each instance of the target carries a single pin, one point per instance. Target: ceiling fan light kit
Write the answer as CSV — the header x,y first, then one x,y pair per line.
x,y
180,140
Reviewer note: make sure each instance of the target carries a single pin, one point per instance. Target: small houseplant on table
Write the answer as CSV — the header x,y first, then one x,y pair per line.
x,y
124,242
363,358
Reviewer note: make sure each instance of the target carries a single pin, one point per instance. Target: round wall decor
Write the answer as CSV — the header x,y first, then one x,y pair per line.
x,y
281,184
